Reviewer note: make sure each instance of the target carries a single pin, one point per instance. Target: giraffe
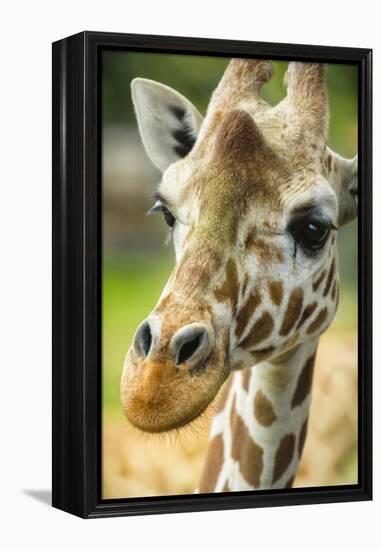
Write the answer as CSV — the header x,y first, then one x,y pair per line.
x,y
253,197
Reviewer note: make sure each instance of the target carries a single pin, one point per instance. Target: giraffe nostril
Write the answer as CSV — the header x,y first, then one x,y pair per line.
x,y
188,349
143,339
192,344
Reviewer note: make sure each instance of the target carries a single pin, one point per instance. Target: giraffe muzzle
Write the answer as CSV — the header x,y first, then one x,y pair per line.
x,y
171,374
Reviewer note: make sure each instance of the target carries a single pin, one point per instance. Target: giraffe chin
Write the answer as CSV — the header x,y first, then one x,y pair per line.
x,y
158,396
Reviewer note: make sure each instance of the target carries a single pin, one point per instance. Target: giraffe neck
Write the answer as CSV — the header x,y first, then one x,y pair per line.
x,y
258,433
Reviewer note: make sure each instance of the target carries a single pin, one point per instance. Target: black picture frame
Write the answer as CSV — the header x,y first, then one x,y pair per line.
x,y
77,201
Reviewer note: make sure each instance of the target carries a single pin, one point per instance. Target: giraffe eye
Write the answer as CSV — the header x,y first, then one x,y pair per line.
x,y
310,234
169,218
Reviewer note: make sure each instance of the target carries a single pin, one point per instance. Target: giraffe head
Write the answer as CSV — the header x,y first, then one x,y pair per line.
x,y
253,199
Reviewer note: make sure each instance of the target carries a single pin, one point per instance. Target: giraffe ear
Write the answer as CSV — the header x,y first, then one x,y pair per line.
x,y
168,122
348,191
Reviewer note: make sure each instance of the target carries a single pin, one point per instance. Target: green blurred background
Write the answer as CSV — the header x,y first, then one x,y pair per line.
x,y
136,262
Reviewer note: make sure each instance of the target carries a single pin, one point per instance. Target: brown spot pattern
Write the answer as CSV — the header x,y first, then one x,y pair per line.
x,y
245,283
293,311
290,482
307,312
318,281
261,329
283,456
303,385
333,291
213,465
250,237
316,323
267,252
246,312
246,378
228,291
223,394
245,450
263,409
276,292
302,437
329,162
329,278
262,354
289,353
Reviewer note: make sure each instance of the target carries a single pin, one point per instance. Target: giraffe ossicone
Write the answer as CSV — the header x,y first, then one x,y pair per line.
x,y
254,198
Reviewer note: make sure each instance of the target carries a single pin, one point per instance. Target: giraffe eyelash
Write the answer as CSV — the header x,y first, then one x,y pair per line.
x,y
169,218
169,236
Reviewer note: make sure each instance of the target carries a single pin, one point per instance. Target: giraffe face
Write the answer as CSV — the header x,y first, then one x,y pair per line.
x,y
251,246
254,231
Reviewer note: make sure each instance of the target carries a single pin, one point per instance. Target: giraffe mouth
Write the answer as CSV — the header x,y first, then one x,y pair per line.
x,y
160,396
